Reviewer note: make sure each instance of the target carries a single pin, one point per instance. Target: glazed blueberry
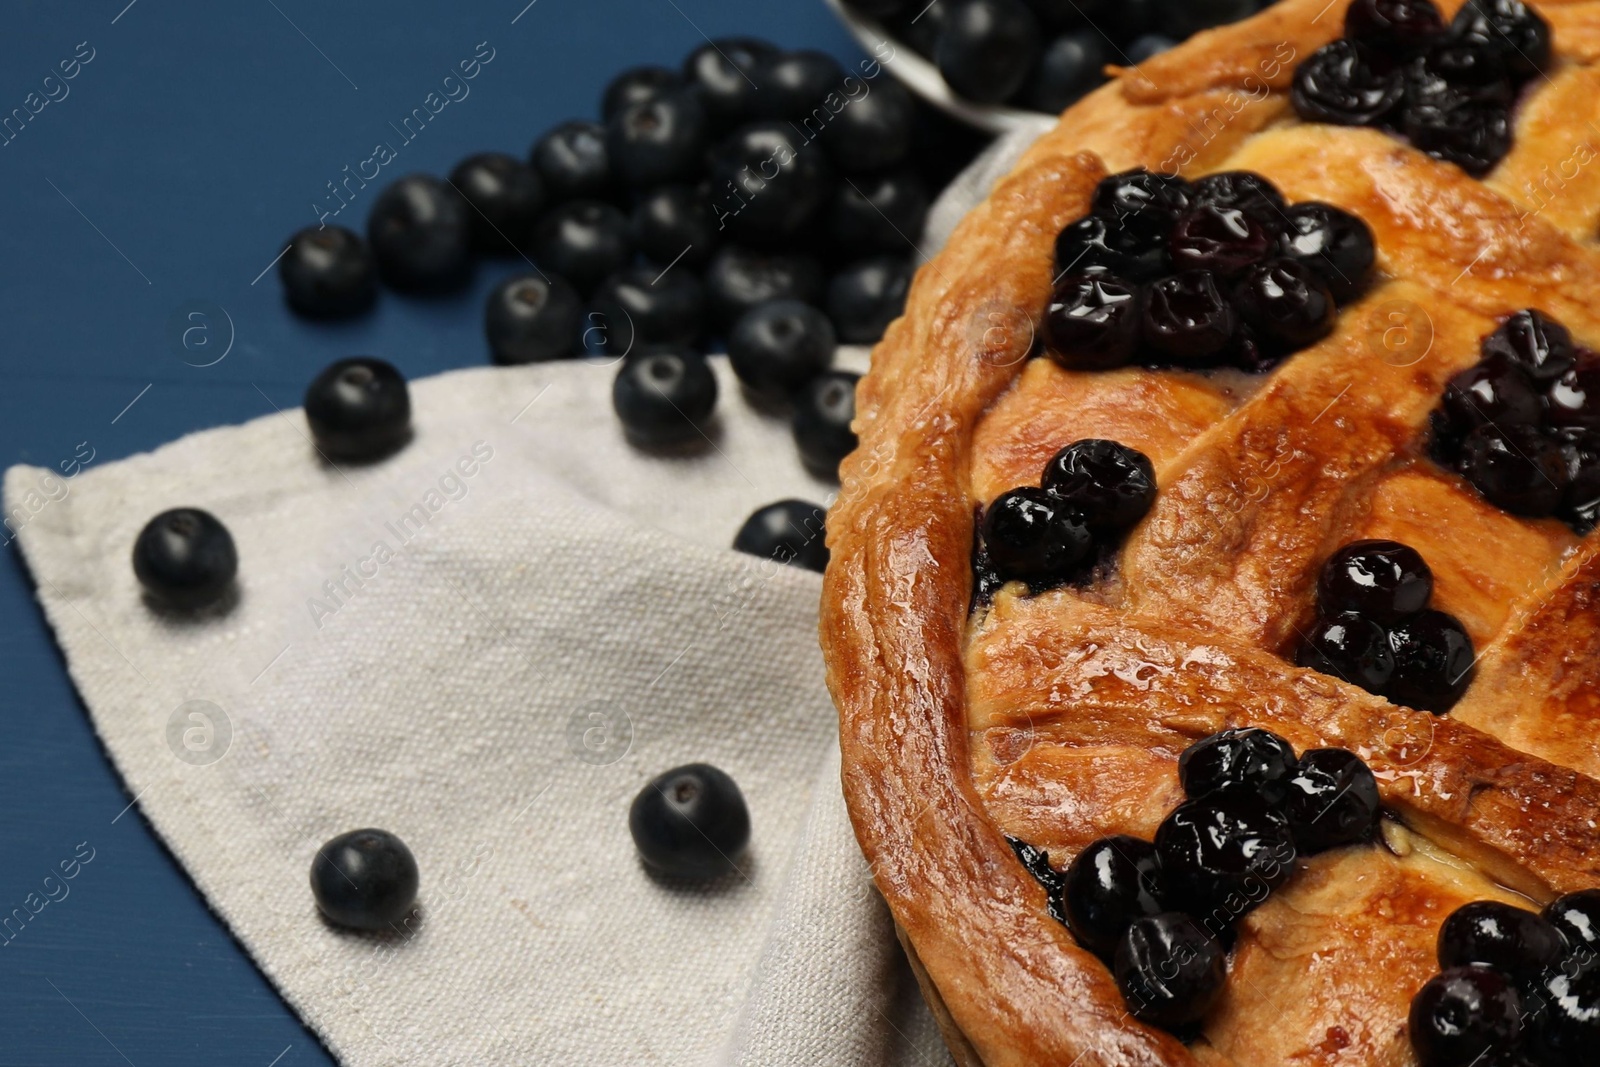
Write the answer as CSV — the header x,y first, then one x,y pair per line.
x,y
1494,391
1187,320
1433,662
1147,46
1071,65
690,822
1535,342
738,279
1507,938
185,558
1567,1029
1516,468
1350,647
865,297
1222,855
1095,243
583,241
504,197
1332,801
777,347
1453,73
573,162
1287,306
358,409
1249,192
1033,536
790,531
365,879
1144,204
767,184
639,306
1474,137
1169,970
874,131
1222,240
1112,882
420,235
327,273
674,221
986,48
659,140
823,412
531,318
1110,484
1343,85
1573,400
1251,760
1383,580
878,213
1463,1013
1581,501
664,397
1092,322
1576,917
722,74
636,85
792,85
1397,28
1510,27
1333,243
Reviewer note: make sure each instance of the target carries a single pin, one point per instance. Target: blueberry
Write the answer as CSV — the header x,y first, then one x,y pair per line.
x,y
1345,85
1170,972
663,397
1255,761
1475,137
790,531
573,162
1068,14
327,273
1094,244
767,183
1110,884
1143,204
1384,580
674,221
1126,20
690,822
865,297
1350,647
1573,400
1222,855
1222,240
1535,342
1033,536
1517,468
1192,16
531,318
1433,662
583,241
504,197
878,213
792,85
823,412
1333,243
1580,503
1462,1014
1576,917
185,558
1287,306
657,141
1397,28
1244,190
1452,73
738,279
920,27
358,409
872,131
365,879
1147,46
1187,320
636,85
1092,322
777,347
986,48
420,235
1567,1030
878,9
1332,801
1071,65
1110,484
722,73
1511,27
1494,391
640,306
1513,940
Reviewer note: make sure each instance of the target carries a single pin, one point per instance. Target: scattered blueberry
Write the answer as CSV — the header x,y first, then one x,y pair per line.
x,y
1110,884
531,318
504,197
420,235
573,162
1071,65
1462,1014
792,85
722,73
584,241
663,397
1433,662
328,273
640,306
185,558
777,347
1223,854
824,410
1332,801
1251,760
878,213
1092,321
1509,939
739,278
1033,536
690,822
358,409
766,184
790,531
865,297
365,879
1350,647
1169,970
1147,46
1383,580
1111,485
986,48
873,131
1192,16
674,225
636,85
1335,244
660,140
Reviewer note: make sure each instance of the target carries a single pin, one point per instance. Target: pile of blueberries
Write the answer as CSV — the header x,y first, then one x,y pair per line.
x,y
1517,989
1374,628
1162,914
1044,55
1449,90
1523,424
1220,272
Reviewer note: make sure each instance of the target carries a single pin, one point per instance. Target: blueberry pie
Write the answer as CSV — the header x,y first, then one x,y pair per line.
x,y
1214,609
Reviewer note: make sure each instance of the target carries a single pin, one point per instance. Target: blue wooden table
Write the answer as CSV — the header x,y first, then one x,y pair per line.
x,y
154,155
